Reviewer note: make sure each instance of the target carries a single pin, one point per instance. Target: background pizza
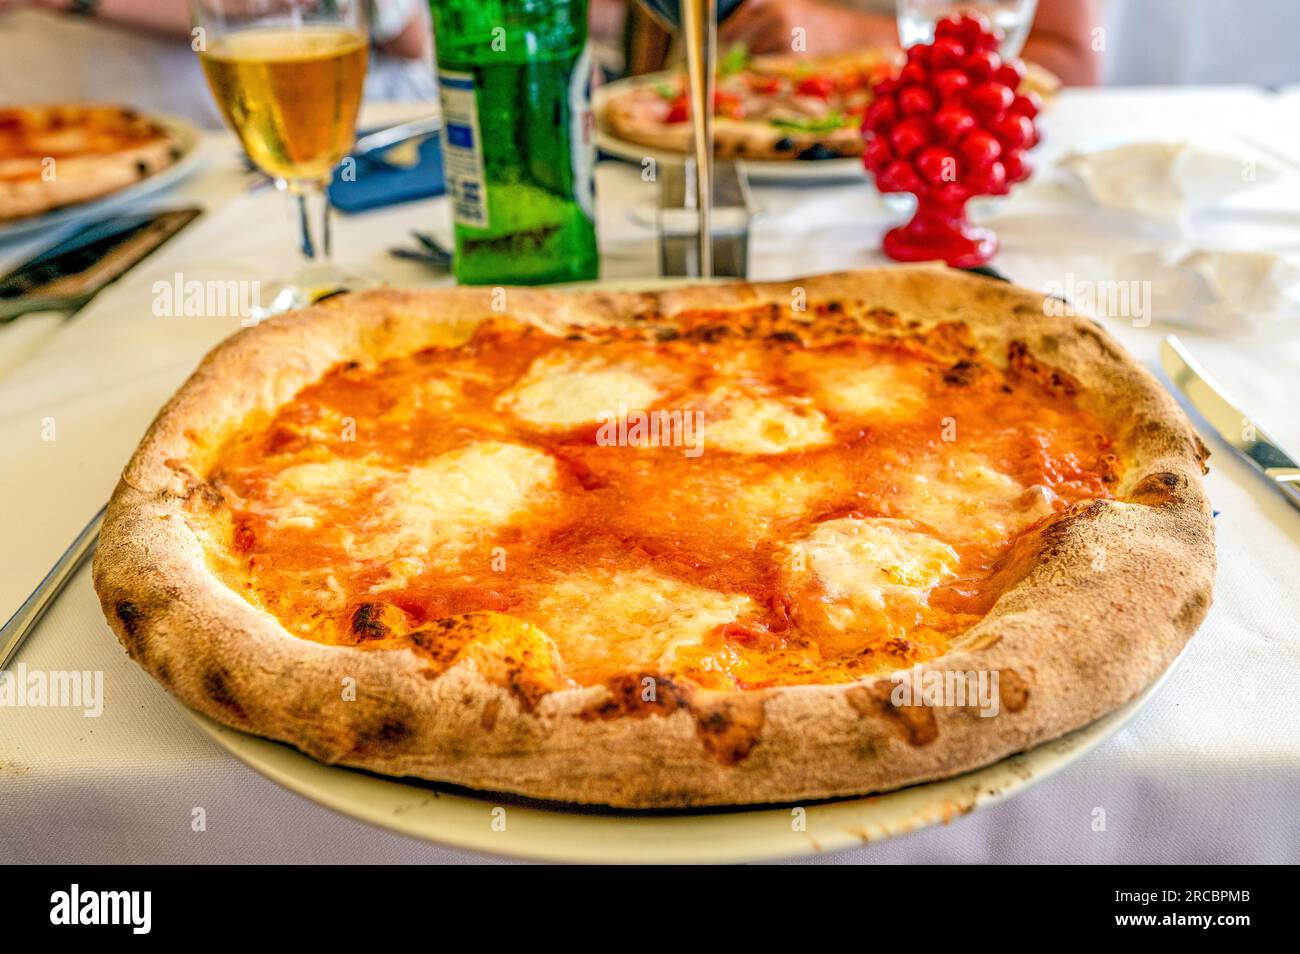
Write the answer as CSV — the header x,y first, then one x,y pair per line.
x,y
769,107
460,512
59,154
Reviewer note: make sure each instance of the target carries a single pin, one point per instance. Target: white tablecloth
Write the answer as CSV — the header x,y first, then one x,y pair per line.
x,y
1209,771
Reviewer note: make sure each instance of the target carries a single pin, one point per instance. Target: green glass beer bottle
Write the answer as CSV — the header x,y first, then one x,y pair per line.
x,y
515,84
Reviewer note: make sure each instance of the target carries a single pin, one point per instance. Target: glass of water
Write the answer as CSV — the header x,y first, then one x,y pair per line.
x,y
916,19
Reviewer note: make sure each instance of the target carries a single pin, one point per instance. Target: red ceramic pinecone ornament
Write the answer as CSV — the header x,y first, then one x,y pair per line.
x,y
950,125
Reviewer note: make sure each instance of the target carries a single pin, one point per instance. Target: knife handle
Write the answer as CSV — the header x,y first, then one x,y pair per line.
x,y
1288,481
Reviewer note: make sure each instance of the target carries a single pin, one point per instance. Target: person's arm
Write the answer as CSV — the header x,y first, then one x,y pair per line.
x,y
646,44
172,18
1062,40
767,26
412,43
168,17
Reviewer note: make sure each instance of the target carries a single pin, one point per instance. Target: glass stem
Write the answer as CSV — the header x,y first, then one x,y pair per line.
x,y
313,204
701,29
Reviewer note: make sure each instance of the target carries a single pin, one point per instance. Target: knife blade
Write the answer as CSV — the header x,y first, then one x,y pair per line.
x,y
25,618
1233,425
395,135
67,276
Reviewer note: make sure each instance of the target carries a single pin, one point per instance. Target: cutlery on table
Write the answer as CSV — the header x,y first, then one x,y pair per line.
x,y
66,276
383,144
61,280
1233,425
431,252
29,614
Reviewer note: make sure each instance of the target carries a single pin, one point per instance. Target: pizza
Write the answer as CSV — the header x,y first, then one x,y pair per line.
x,y
60,154
664,549
768,107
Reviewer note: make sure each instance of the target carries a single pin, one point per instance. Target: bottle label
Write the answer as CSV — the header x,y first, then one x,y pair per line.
x,y
462,149
582,143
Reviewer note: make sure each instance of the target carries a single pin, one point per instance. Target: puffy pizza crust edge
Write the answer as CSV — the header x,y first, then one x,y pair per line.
x,y
1100,599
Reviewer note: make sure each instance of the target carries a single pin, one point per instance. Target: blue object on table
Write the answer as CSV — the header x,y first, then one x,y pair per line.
x,y
377,183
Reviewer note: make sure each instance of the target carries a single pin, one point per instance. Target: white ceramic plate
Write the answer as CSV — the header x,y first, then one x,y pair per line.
x,y
758,170
190,138
522,828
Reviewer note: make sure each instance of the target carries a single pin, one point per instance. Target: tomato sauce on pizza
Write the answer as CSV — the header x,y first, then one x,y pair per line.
x,y
740,510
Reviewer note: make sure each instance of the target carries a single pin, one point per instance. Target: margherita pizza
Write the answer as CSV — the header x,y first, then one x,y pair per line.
x,y
768,107
57,155
681,548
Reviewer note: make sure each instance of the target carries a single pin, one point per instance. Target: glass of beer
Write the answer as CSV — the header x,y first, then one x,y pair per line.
x,y
288,77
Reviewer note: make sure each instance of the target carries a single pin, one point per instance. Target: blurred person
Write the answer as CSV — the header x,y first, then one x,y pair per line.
x,y
1176,42
137,52
607,25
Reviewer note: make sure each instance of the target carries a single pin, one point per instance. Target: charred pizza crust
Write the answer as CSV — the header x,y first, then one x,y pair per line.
x,y
61,154
1096,600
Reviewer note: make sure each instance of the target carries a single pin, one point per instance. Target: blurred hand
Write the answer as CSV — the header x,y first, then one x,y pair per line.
x,y
768,26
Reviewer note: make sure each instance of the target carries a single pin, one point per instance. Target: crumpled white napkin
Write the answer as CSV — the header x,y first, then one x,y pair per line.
x,y
1228,291
1165,181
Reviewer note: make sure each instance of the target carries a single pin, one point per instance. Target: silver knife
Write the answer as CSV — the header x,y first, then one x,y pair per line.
x,y
1229,421
385,138
29,614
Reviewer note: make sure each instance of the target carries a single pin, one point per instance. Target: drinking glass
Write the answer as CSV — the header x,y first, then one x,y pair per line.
x,y
288,77
916,19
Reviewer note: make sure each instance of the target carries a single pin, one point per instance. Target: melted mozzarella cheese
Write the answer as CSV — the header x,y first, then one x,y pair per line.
x,y
615,620
871,391
438,395
758,505
875,559
869,575
299,495
440,508
756,424
560,391
965,498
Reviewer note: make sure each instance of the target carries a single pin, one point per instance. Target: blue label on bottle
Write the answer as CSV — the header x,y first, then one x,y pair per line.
x,y
461,155
458,135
